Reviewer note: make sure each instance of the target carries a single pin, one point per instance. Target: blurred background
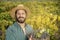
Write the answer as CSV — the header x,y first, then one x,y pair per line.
x,y
44,18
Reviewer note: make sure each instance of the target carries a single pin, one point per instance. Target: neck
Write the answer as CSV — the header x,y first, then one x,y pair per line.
x,y
22,24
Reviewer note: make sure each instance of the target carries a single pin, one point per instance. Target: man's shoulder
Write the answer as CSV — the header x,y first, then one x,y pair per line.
x,y
29,27
11,27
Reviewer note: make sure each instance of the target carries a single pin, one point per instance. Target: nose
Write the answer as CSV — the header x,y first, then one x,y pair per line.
x,y
20,15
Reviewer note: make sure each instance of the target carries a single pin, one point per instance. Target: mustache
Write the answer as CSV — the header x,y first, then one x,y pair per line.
x,y
20,17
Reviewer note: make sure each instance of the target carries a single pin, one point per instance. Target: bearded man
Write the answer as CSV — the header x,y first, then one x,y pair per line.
x,y
20,29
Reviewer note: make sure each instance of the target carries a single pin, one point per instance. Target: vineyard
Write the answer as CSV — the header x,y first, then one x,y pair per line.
x,y
44,17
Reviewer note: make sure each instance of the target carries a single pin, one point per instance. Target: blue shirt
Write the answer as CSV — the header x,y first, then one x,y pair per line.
x,y
15,32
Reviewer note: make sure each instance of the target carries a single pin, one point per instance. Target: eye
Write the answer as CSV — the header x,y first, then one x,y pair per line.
x,y
18,13
23,13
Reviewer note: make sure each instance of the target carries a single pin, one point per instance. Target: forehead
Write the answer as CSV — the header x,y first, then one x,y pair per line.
x,y
20,10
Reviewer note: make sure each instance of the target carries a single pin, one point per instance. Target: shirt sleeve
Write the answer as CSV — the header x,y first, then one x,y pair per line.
x,y
9,35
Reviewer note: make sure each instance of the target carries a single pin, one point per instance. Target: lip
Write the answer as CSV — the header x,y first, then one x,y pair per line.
x,y
20,18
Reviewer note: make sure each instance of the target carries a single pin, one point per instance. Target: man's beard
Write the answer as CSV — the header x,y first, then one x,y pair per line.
x,y
20,20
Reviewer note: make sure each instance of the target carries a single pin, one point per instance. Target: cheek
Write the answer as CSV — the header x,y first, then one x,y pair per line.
x,y
17,16
25,16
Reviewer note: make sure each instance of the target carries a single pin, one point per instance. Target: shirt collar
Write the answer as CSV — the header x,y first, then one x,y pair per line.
x,y
17,25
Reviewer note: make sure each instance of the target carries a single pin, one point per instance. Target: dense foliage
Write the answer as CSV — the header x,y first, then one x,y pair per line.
x,y
45,17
